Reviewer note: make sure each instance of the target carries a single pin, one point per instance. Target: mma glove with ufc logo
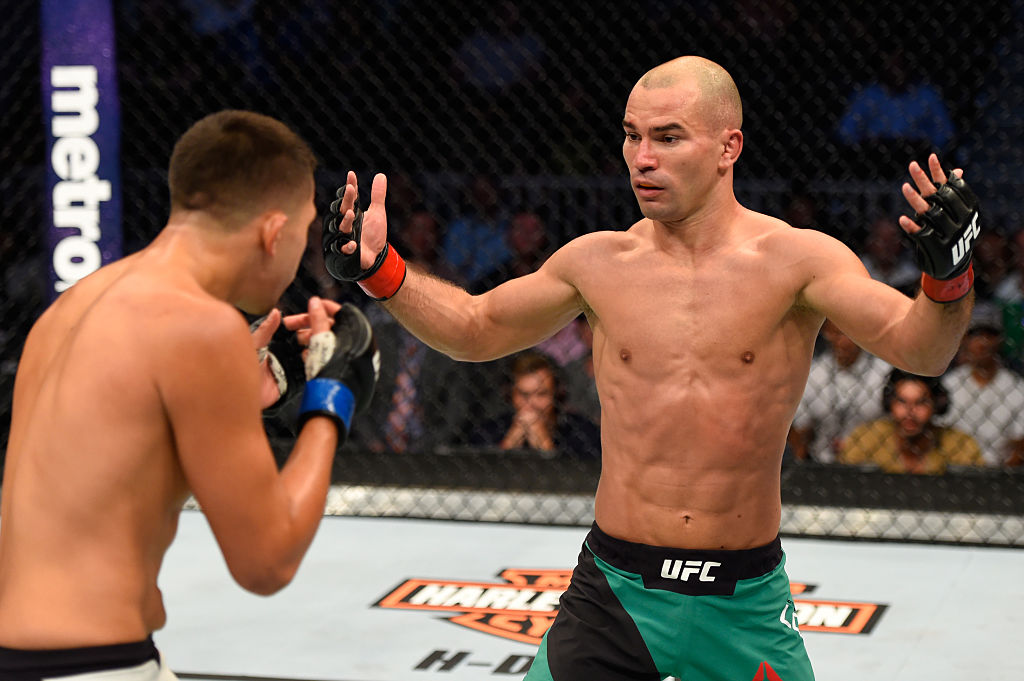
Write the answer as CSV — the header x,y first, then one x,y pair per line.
x,y
942,249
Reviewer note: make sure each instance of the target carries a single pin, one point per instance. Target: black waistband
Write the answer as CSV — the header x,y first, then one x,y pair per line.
x,y
687,571
31,665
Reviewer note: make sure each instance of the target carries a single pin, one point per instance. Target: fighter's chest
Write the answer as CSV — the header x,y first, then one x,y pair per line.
x,y
674,301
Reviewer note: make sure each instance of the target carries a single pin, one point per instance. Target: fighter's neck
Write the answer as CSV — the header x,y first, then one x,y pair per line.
x,y
210,259
705,231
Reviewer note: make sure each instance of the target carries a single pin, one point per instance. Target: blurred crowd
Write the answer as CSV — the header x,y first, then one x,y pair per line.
x,y
836,95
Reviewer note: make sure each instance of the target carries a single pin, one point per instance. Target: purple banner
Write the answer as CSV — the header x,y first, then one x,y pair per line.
x,y
83,127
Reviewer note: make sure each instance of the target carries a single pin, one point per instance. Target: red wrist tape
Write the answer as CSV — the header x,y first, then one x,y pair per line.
x,y
948,290
388,278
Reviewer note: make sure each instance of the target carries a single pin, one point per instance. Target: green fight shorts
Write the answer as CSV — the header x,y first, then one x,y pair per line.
x,y
641,612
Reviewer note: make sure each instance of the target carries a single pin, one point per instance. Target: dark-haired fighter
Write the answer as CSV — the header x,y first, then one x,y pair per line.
x,y
141,384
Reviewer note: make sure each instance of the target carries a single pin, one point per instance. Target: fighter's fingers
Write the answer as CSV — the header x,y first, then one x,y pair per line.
x,y
351,192
908,225
347,219
303,321
263,330
293,322
924,185
916,201
332,307
379,189
318,319
938,174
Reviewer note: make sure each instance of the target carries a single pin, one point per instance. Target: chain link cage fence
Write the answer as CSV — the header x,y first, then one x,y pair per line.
x,y
498,125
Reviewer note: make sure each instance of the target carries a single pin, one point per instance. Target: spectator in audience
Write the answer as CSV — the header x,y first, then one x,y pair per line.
x,y
475,240
887,260
992,260
423,398
566,346
580,384
1009,294
405,197
1013,287
419,240
895,117
987,400
907,439
539,419
842,393
528,246
802,209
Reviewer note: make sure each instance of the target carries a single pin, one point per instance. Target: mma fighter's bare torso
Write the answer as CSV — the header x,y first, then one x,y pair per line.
x,y
87,516
700,358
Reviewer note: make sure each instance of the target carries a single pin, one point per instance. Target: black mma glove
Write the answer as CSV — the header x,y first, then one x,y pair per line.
x,y
284,357
383,279
341,370
942,249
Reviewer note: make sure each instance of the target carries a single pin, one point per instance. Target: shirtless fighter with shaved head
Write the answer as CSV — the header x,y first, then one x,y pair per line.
x,y
704,316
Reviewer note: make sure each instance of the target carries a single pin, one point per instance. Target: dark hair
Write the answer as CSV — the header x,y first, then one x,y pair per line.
x,y
940,396
530,361
233,164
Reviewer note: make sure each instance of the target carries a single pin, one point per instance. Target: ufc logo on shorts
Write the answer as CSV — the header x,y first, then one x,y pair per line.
x,y
677,569
963,246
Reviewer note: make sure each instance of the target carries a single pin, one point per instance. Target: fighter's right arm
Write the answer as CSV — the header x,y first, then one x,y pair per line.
x,y
263,519
516,315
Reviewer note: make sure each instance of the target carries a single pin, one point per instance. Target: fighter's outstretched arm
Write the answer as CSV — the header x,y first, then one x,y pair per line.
x,y
515,315
920,335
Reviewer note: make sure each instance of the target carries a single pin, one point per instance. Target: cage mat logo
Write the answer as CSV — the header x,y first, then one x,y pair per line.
x,y
523,607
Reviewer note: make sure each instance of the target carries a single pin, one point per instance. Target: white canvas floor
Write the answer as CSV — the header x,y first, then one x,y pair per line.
x,y
949,612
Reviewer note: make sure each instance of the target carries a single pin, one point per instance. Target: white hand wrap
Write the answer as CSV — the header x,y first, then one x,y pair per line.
x,y
321,349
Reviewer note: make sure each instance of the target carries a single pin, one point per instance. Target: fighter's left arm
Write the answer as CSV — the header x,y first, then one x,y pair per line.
x,y
920,335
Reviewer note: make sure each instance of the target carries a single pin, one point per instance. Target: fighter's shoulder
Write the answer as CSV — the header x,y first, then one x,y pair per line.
x,y
605,243
589,253
804,244
196,339
205,317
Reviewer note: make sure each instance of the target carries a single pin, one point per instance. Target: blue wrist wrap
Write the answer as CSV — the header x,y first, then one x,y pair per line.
x,y
328,397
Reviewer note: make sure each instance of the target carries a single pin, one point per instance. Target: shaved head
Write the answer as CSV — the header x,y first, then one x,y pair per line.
x,y
719,99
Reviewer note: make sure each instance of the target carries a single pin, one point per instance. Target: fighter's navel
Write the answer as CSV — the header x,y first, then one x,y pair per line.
x,y
747,357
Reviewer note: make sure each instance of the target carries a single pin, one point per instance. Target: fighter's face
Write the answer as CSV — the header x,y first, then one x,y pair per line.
x,y
295,236
282,264
671,151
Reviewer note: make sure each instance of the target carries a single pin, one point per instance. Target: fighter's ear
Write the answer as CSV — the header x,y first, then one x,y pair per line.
x,y
732,145
271,227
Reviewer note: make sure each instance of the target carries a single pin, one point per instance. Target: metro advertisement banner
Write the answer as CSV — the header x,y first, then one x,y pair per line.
x,y
82,119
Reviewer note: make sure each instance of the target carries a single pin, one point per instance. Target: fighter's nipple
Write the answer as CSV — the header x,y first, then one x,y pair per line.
x,y
747,357
625,355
